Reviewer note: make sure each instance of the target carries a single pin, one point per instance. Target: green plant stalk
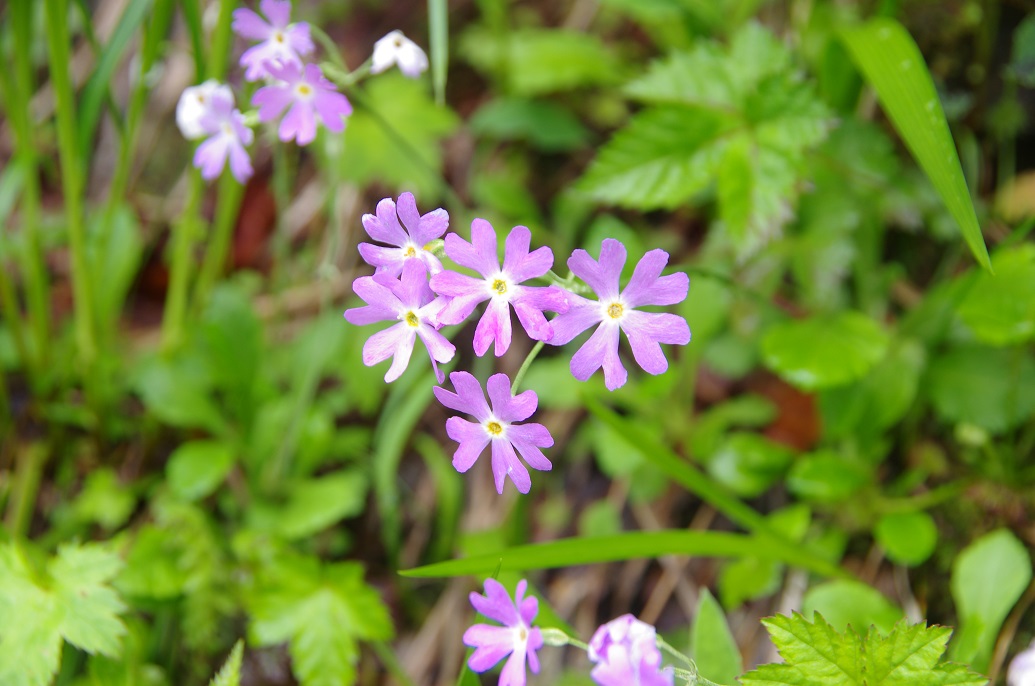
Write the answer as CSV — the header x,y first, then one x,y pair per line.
x,y
37,288
221,37
532,354
31,459
282,166
58,41
13,318
230,195
184,232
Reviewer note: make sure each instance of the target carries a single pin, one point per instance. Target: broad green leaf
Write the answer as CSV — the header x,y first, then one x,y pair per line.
x,y
824,351
115,249
827,477
176,391
545,125
710,427
230,674
749,463
850,603
322,611
735,182
815,654
988,578
197,468
104,500
596,549
1000,307
891,62
661,159
993,388
752,577
72,600
711,643
233,339
315,504
908,538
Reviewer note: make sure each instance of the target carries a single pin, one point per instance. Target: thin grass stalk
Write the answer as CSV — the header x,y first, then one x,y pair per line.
x,y
183,235
221,40
230,194
31,458
58,41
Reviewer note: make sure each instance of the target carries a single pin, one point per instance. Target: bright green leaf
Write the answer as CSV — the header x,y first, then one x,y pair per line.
x,y
993,388
197,468
850,603
711,642
826,477
891,62
748,463
315,504
988,578
908,538
230,674
104,500
1000,308
824,351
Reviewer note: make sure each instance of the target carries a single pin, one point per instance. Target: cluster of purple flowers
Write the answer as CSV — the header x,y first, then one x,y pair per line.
x,y
624,651
295,92
410,286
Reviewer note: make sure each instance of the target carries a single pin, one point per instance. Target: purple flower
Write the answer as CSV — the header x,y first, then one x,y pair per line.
x,y
1022,668
516,637
614,311
626,653
282,41
308,94
408,301
495,426
501,287
409,243
227,137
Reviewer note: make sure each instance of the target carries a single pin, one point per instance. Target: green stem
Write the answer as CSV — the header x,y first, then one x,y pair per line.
x,y
221,36
184,232
13,317
331,48
691,674
525,365
230,195
282,166
58,41
31,459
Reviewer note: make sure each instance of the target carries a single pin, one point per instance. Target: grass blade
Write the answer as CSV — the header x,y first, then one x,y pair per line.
x,y
438,28
615,548
891,62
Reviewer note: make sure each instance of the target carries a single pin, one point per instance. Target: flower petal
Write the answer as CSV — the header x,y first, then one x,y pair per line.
x,y
277,11
496,604
492,643
432,225
581,315
513,673
210,157
468,397
648,287
440,349
506,463
333,108
384,226
518,263
471,437
249,25
406,206
600,350
601,276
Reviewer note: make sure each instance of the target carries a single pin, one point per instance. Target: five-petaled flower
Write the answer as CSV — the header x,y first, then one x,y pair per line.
x,y
395,48
281,41
308,94
408,301
496,426
500,286
625,651
516,638
617,310
227,135
408,243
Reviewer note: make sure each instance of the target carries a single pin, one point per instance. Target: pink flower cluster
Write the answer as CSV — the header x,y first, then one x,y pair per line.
x,y
410,286
624,651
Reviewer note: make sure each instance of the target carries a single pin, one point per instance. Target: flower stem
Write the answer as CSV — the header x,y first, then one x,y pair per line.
x,y
31,459
691,675
230,194
184,232
221,36
525,365
58,41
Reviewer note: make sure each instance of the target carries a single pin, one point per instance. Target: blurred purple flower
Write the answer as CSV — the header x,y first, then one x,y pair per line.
x,y
626,653
614,311
308,94
496,426
517,637
227,137
408,301
395,48
281,41
194,103
501,287
410,243
1022,668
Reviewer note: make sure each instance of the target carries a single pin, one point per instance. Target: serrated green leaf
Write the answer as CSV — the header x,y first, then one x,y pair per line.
x,y
735,183
1000,308
909,656
104,500
322,611
824,351
988,578
230,673
891,62
711,643
197,468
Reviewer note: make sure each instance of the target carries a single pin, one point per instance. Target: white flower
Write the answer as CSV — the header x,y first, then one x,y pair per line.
x,y
1022,669
395,48
195,102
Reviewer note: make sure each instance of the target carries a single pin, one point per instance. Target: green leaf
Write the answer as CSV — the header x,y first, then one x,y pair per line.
x,y
115,250
748,464
711,642
71,600
827,477
230,674
545,125
908,538
315,504
891,62
993,388
104,500
152,566
988,578
850,603
176,391
735,181
197,468
1000,308
322,612
1022,57
816,655
825,350
232,337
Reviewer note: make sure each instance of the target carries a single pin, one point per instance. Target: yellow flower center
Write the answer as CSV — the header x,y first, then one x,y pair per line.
x,y
523,634
412,319
500,286
304,89
494,428
279,37
614,310
411,251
